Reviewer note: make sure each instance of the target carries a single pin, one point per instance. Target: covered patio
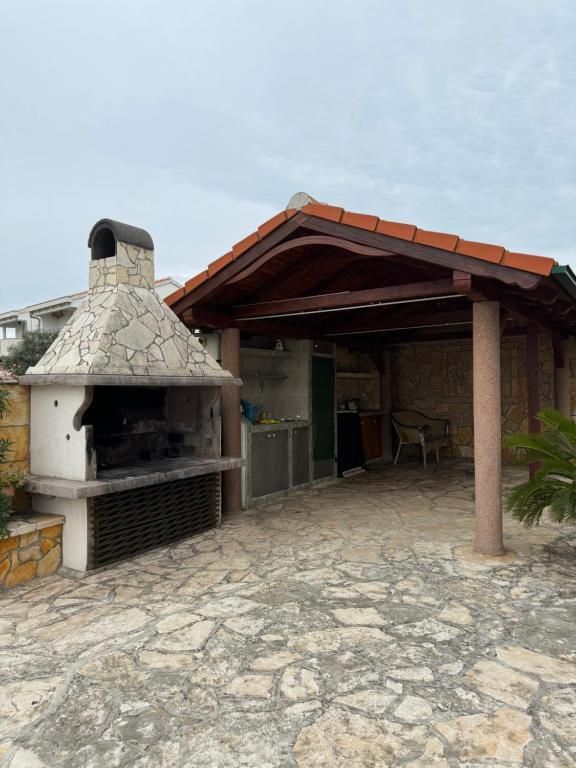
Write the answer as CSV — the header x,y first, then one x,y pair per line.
x,y
320,273
350,626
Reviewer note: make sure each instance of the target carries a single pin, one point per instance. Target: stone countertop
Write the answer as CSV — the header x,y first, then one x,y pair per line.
x,y
137,475
21,523
125,380
368,412
281,425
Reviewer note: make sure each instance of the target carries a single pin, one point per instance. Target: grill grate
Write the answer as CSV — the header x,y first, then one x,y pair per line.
x,y
128,523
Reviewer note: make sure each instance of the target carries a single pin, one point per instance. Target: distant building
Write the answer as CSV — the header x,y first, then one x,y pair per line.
x,y
53,314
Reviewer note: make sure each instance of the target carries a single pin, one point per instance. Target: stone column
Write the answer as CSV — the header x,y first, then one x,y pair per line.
x,y
562,378
487,428
231,421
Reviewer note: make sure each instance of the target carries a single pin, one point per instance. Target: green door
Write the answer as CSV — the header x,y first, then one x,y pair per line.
x,y
323,439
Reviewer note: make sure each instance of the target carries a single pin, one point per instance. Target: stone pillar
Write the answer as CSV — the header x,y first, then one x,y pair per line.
x,y
231,421
562,378
487,428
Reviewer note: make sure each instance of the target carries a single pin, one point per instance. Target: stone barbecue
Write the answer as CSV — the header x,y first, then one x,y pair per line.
x,y
125,427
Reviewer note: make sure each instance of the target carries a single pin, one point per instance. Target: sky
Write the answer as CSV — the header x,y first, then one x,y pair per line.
x,y
198,120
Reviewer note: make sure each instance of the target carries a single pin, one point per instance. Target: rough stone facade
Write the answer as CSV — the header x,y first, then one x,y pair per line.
x,y
131,266
16,425
125,329
366,389
436,378
34,548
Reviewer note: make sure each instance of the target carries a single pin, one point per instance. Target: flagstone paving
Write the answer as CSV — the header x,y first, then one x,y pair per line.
x,y
348,626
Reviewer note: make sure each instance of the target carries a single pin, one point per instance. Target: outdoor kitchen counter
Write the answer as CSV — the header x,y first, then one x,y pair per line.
x,y
137,475
281,425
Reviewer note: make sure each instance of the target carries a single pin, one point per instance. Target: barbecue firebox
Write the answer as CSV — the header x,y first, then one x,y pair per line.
x,y
125,428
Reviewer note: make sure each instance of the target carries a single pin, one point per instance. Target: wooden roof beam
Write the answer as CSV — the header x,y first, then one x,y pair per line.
x,y
346,300
428,319
197,317
428,254
348,246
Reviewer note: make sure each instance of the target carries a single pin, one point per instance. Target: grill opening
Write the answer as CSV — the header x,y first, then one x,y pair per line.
x,y
129,523
129,424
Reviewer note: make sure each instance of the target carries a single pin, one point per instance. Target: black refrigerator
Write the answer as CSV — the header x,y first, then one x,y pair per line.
x,y
350,448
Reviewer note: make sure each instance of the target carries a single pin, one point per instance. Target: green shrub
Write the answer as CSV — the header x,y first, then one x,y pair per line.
x,y
28,352
553,486
5,507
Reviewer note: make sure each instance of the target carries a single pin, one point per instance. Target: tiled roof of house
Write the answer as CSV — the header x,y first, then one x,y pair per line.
x,y
496,254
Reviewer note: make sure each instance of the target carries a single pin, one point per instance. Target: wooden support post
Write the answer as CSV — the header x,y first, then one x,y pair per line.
x,y
561,377
231,421
383,361
533,384
487,428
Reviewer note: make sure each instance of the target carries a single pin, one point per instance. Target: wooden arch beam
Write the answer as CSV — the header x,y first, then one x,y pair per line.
x,y
298,242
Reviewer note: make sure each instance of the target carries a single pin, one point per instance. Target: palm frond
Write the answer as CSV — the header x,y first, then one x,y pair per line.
x,y
538,446
554,484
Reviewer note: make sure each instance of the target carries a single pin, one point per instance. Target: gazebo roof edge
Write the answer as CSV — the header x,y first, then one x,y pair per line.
x,y
495,254
564,275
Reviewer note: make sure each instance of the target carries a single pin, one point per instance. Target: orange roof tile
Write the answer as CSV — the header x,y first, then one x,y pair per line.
x,y
179,293
436,239
195,281
394,229
274,222
323,211
243,245
495,254
217,264
482,251
360,220
542,265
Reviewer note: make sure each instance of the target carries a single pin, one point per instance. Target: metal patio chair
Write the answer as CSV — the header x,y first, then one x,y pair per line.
x,y
425,432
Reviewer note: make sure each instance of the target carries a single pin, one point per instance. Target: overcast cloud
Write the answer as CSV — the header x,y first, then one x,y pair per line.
x,y
198,119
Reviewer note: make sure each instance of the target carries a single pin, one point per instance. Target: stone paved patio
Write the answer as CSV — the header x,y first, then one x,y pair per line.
x,y
349,626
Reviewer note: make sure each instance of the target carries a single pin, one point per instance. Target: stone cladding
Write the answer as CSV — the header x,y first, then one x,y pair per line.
x,y
123,328
33,548
436,378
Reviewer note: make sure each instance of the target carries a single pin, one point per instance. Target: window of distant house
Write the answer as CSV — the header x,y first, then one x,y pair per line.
x,y
10,333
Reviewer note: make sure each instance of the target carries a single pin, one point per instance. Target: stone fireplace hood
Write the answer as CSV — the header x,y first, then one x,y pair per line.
x,y
123,333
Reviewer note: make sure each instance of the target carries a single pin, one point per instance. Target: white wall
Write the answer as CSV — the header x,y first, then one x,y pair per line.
x,y
56,448
279,384
55,321
75,531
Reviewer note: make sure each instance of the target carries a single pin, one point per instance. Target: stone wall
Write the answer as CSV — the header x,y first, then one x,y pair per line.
x,y
436,378
365,386
16,426
33,548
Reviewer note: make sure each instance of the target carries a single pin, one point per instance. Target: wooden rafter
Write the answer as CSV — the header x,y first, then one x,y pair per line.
x,y
345,299
439,319
448,259
197,317
311,240
234,267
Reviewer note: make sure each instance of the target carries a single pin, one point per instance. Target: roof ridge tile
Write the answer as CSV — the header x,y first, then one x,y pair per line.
x,y
360,220
442,240
324,210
